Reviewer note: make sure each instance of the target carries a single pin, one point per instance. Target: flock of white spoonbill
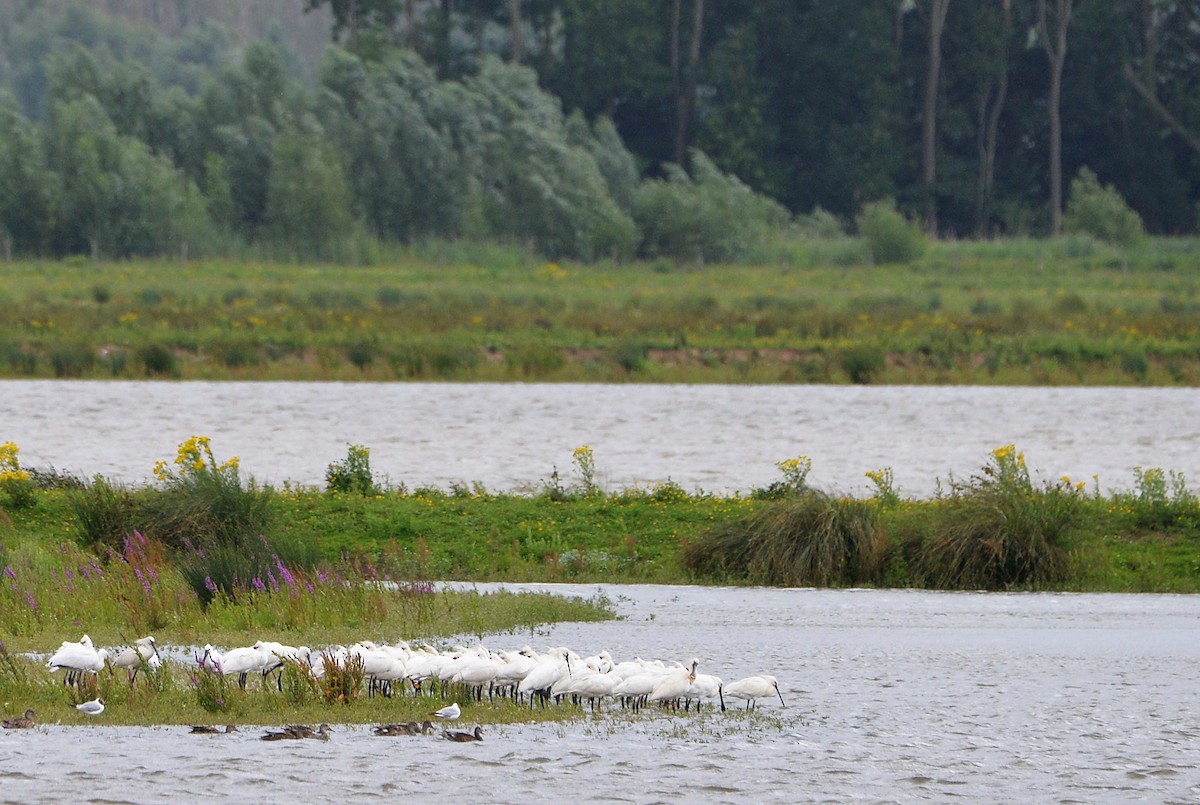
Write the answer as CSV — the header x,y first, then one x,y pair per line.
x,y
556,674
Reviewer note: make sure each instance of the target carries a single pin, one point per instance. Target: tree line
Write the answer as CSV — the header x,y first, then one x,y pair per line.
x,y
973,114
589,128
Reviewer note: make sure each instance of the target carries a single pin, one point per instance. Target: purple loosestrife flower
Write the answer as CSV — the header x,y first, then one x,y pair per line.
x,y
273,582
258,584
96,569
285,574
8,571
32,601
208,585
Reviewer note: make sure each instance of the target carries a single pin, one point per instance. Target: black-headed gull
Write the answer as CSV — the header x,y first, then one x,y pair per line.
x,y
449,713
93,708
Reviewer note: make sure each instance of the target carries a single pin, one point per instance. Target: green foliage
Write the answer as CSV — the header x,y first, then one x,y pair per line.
x,y
707,216
1159,501
204,503
342,682
891,237
1098,210
794,483
213,690
105,513
352,475
811,539
15,482
861,363
999,531
308,201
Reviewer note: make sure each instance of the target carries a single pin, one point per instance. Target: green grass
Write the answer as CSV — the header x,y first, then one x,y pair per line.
x,y
1003,312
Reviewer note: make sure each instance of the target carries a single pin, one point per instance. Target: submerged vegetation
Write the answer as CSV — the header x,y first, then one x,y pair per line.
x,y
816,309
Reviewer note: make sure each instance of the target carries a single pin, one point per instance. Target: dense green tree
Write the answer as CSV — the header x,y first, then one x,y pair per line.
x,y
308,200
24,186
407,179
114,197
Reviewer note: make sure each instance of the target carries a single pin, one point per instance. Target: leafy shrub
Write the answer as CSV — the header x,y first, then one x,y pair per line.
x,y
821,224
708,216
352,475
1098,210
71,360
795,480
998,531
1160,500
213,689
890,236
813,539
861,363
158,360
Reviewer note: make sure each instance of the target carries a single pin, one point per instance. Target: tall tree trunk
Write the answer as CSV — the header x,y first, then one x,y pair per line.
x,y
1145,80
442,46
514,20
1056,52
937,23
685,85
676,79
991,106
352,24
410,24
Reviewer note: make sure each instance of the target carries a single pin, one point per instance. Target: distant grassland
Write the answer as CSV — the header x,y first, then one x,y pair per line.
x,y
1005,312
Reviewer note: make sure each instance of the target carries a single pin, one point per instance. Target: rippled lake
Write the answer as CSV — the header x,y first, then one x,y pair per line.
x,y
891,696
510,437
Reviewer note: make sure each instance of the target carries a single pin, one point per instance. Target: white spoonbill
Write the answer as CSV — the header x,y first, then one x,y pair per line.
x,y
77,659
751,688
240,661
673,685
704,686
131,658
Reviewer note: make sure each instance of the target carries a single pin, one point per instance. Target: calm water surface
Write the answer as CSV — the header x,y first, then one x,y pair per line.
x,y
892,696
511,436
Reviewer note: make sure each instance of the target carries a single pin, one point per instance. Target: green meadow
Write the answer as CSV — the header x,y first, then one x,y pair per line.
x,y
1068,311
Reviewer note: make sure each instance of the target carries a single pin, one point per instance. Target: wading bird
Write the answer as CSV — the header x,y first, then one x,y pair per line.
x,y
144,651
752,688
77,659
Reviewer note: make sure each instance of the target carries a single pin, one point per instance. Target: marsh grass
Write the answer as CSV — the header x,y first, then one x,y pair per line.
x,y
812,539
1000,530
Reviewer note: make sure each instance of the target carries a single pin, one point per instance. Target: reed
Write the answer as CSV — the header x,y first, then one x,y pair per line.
x,y
812,539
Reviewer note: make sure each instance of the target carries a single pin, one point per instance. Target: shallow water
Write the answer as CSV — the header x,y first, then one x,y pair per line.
x,y
511,436
891,696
